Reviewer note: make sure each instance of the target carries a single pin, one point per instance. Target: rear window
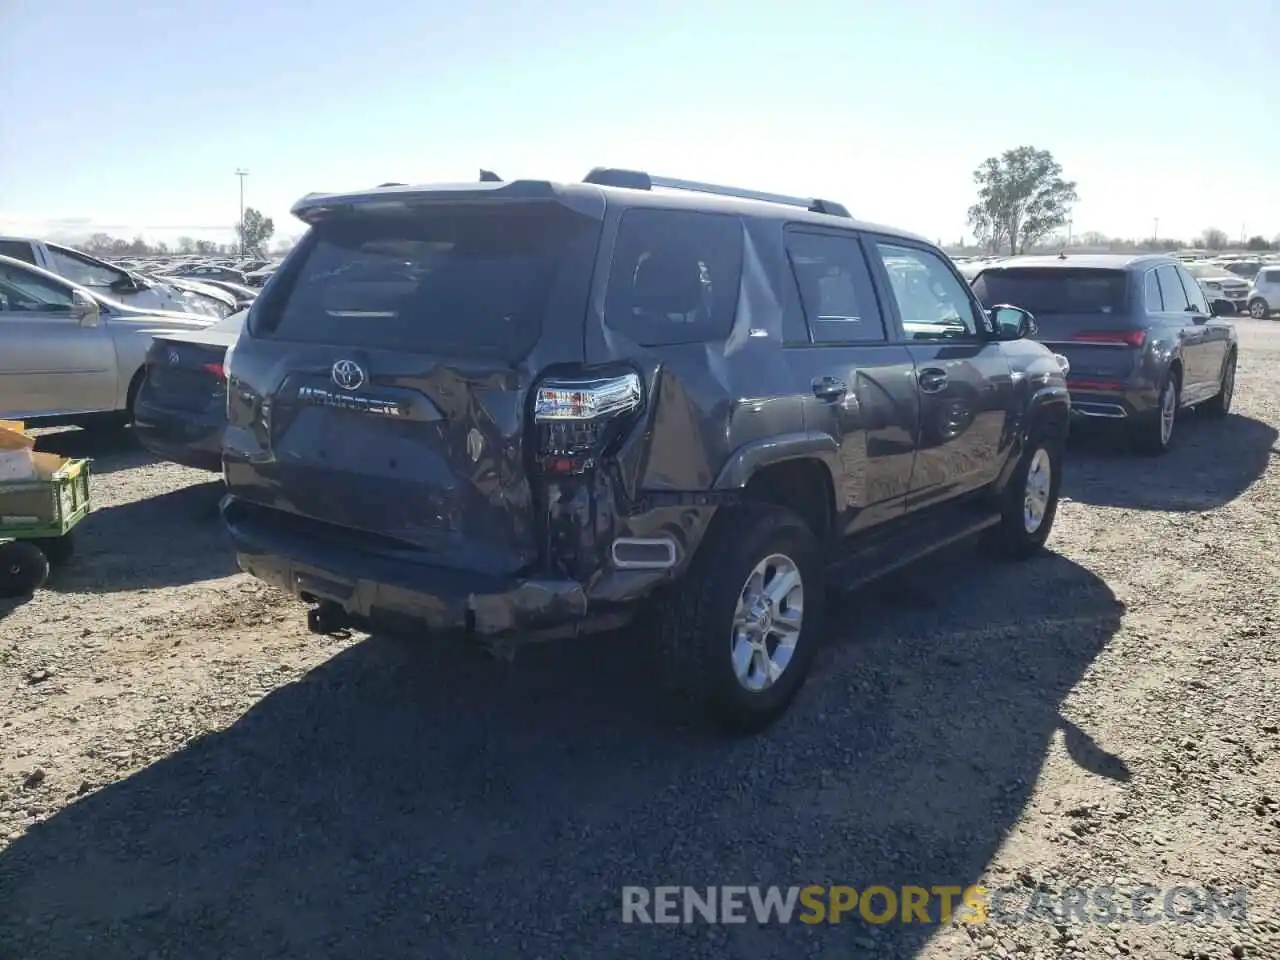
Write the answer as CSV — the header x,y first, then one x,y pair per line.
x,y
675,276
458,281
1053,290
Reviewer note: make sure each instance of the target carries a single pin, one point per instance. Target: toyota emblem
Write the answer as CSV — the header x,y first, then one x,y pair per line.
x,y
174,357
348,375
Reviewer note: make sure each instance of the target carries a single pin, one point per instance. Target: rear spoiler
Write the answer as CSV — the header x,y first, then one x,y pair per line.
x,y
315,207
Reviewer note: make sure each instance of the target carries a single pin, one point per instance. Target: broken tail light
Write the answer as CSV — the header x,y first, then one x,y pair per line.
x,y
577,420
1122,338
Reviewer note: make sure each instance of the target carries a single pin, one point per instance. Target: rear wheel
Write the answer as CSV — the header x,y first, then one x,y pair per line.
x,y
23,568
739,639
1259,309
1220,405
1153,434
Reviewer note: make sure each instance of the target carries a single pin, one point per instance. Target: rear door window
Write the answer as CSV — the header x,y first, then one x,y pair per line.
x,y
1151,288
835,288
1171,289
466,281
1049,290
675,276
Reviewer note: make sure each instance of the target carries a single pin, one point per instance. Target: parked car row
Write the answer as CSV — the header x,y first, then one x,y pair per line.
x,y
135,288
443,415
69,353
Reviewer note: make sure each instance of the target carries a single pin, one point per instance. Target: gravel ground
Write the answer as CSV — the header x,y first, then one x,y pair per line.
x,y
185,772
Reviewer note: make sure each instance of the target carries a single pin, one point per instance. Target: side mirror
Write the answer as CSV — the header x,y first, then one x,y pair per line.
x,y
84,308
1222,308
1012,323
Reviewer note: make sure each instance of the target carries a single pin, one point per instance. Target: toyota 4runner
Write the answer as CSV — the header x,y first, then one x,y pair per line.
x,y
525,409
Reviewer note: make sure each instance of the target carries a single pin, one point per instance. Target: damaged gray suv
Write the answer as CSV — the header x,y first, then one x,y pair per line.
x,y
526,409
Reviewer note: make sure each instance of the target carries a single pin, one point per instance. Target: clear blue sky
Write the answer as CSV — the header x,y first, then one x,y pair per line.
x,y
126,116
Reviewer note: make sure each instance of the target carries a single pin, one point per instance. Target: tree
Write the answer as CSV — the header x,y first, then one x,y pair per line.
x,y
1213,239
255,232
1258,244
1021,198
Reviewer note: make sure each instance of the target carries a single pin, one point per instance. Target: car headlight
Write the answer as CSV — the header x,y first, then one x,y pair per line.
x,y
1063,362
1212,286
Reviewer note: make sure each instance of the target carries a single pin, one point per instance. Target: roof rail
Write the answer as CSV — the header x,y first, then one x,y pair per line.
x,y
639,180
391,183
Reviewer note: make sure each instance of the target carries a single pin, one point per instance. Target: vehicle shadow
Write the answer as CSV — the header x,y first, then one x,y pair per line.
x,y
1211,463
110,450
410,800
170,539
10,604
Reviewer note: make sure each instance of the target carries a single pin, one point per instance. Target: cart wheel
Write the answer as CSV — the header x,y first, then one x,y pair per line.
x,y
23,568
57,550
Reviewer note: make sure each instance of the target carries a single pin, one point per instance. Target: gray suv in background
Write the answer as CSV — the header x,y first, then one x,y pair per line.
x,y
527,409
1141,340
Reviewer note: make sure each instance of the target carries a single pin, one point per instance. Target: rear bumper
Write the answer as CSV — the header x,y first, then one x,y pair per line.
x,y
1100,402
190,439
379,592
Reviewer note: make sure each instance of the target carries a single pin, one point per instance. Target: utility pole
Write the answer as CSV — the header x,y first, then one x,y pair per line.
x,y
241,173
1070,225
1155,233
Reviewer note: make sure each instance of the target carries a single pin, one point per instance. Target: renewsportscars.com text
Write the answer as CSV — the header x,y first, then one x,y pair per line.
x,y
815,904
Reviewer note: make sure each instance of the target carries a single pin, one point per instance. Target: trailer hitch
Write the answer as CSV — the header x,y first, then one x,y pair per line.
x,y
327,618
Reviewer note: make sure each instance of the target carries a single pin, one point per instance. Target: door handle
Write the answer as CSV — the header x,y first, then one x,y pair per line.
x,y
932,380
829,388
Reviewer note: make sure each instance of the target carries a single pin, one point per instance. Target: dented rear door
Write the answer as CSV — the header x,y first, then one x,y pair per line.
x,y
380,397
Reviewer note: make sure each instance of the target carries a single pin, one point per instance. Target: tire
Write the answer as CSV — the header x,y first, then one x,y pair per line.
x,y
1219,405
1153,434
1259,309
701,653
1030,502
23,568
57,550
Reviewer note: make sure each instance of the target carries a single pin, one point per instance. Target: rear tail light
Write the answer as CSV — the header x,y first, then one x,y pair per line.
x,y
577,420
1125,338
214,368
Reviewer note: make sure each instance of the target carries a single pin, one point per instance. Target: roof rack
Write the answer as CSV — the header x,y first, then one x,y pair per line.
x,y
639,180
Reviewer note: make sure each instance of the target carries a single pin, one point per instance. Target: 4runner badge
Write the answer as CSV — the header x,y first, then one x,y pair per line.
x,y
347,374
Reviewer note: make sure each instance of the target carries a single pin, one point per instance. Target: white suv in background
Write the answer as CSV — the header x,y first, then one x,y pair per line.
x,y
1264,298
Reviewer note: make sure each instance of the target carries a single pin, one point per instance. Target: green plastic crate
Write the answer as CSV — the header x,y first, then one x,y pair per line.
x,y
48,507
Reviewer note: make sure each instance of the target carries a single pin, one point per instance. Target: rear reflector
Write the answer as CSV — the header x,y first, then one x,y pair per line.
x,y
1093,385
1126,338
